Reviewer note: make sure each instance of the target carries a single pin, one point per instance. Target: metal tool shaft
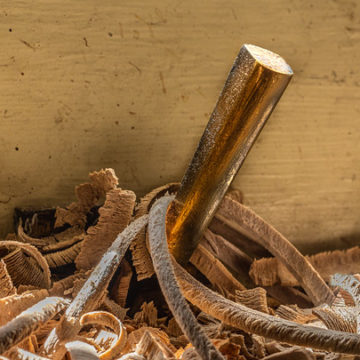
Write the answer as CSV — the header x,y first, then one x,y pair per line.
x,y
255,84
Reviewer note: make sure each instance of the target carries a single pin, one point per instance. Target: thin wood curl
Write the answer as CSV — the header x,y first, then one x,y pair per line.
x,y
168,284
240,316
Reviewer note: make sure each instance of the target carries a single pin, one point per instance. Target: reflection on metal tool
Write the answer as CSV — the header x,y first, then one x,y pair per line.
x,y
255,84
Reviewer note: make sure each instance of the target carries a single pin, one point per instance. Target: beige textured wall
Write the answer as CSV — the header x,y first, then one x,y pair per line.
x,y
130,84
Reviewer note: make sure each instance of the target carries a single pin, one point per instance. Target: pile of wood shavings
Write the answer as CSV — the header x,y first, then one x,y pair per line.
x,y
71,288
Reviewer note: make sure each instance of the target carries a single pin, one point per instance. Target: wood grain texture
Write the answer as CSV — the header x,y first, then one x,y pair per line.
x,y
130,85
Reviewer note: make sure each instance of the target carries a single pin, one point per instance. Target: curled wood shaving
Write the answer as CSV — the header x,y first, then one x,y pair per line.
x,y
54,242
294,313
349,283
255,322
36,223
253,298
101,340
241,316
94,288
215,271
6,285
63,257
140,255
115,215
107,319
34,253
13,305
64,244
23,270
338,318
29,321
101,275
79,350
244,220
23,237
88,195
168,284
271,271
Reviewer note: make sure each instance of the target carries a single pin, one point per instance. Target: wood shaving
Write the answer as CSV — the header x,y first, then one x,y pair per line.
x,y
294,313
115,215
107,319
93,289
23,237
29,320
236,260
62,286
88,195
153,347
348,283
135,337
235,320
167,280
271,271
140,255
292,354
27,355
218,275
79,350
39,274
12,306
121,284
7,287
148,315
258,346
64,243
111,306
288,295
243,220
63,257
253,298
337,318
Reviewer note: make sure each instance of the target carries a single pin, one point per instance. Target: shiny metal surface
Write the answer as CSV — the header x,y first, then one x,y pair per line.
x,y
255,84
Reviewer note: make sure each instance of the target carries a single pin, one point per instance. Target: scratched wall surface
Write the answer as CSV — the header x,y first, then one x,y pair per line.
x,y
130,85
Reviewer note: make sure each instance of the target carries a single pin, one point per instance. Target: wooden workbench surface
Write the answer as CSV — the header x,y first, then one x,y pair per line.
x,y
130,85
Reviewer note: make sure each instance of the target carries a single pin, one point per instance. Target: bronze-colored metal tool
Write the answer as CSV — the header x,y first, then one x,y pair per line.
x,y
255,84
